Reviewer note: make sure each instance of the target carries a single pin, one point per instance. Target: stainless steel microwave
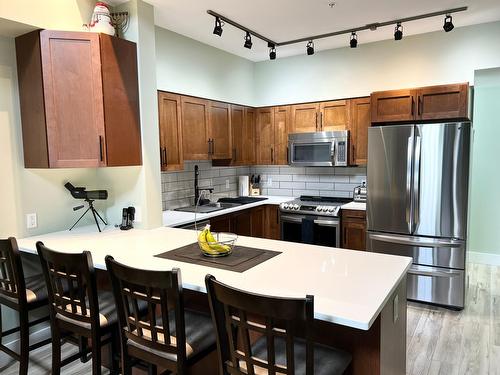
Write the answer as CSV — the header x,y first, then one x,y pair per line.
x,y
320,149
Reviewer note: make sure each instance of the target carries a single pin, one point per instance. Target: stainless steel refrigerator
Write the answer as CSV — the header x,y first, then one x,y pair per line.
x,y
418,178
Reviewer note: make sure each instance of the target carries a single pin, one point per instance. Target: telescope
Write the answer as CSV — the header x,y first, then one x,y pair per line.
x,y
88,196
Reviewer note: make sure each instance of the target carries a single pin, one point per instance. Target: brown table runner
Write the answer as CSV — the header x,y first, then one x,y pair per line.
x,y
242,259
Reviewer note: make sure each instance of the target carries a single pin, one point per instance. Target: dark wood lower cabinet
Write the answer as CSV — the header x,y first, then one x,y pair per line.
x,y
354,229
261,222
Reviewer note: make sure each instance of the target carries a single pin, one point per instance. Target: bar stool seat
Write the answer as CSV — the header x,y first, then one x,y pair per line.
x,y
36,290
200,336
327,360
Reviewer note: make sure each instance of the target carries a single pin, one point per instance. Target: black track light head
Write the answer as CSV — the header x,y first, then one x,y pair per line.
x,y
272,53
248,41
218,26
310,48
354,40
398,31
448,23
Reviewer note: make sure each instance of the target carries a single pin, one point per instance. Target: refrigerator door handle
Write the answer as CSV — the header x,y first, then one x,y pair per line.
x,y
427,242
416,184
409,158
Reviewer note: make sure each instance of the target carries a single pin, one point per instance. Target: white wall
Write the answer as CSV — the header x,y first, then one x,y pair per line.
x,y
186,66
420,60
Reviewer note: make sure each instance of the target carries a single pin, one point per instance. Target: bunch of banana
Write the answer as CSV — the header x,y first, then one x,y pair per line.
x,y
209,244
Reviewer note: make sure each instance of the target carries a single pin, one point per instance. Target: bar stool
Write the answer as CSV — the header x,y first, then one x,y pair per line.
x,y
22,295
76,306
239,316
170,336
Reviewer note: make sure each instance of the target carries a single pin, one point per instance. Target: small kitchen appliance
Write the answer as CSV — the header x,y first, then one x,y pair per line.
x,y
360,193
319,149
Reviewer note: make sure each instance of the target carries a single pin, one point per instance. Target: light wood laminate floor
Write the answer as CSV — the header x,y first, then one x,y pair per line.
x,y
440,341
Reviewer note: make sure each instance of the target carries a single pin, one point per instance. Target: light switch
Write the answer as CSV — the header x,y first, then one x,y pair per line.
x,y
31,221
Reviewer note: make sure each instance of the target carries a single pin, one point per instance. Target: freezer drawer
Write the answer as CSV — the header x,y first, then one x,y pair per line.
x,y
424,250
436,285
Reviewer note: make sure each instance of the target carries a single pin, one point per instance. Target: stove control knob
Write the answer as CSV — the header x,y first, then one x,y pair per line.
x,y
319,208
295,206
331,209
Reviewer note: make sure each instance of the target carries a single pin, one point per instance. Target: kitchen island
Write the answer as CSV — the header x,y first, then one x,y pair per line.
x,y
360,298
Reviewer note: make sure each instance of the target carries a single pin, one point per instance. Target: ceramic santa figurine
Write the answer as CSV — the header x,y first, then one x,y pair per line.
x,y
101,19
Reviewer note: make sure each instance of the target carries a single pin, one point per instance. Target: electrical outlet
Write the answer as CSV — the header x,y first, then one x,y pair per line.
x,y
269,182
227,184
137,215
31,221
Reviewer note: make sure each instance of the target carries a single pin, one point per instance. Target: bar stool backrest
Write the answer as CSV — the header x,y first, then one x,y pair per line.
x,y
12,284
240,316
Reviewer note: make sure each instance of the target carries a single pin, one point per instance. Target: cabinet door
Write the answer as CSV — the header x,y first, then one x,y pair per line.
x,y
334,115
390,106
238,129
354,235
305,118
241,223
220,130
443,102
281,124
265,135
272,222
71,69
221,224
121,101
195,145
249,137
258,218
360,122
169,113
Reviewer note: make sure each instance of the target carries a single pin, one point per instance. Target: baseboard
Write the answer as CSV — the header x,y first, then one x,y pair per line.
x,y
483,258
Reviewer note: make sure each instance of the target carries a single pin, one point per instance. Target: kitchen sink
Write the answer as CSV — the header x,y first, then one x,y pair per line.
x,y
207,208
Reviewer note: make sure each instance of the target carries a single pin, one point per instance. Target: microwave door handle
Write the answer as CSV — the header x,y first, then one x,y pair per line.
x,y
333,152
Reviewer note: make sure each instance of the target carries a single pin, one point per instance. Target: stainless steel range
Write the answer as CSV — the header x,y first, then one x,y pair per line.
x,y
312,220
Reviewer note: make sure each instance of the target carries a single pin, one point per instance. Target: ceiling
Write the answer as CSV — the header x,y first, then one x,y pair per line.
x,y
282,20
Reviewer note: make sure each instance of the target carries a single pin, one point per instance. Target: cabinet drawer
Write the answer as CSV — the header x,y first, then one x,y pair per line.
x,y
354,214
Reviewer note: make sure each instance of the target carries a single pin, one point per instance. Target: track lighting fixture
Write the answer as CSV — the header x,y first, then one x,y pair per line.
x,y
354,40
310,48
448,23
218,26
272,51
248,41
398,31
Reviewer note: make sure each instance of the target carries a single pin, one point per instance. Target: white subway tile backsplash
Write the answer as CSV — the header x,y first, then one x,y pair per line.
x,y
345,187
328,178
292,185
335,193
305,178
357,179
299,192
319,185
292,170
280,177
280,192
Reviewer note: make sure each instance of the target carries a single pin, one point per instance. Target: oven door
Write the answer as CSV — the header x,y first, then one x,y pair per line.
x,y
309,229
312,153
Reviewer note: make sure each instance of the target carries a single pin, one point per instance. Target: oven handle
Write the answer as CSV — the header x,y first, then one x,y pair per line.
x,y
327,223
291,219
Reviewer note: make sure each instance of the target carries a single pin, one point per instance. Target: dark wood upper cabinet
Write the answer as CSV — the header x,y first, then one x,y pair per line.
x,y
281,126
360,121
195,133
238,130
392,106
443,102
353,229
170,120
334,115
249,137
79,100
220,131
305,118
265,135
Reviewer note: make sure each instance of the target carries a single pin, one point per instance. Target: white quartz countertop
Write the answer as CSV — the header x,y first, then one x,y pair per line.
x,y
361,206
350,287
173,218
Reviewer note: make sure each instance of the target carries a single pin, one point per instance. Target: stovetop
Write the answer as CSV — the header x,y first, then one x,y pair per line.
x,y
308,205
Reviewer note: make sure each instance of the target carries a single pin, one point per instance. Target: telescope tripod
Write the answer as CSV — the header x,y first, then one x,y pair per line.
x,y
92,209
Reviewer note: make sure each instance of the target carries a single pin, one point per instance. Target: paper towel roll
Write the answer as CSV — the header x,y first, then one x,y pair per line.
x,y
243,186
